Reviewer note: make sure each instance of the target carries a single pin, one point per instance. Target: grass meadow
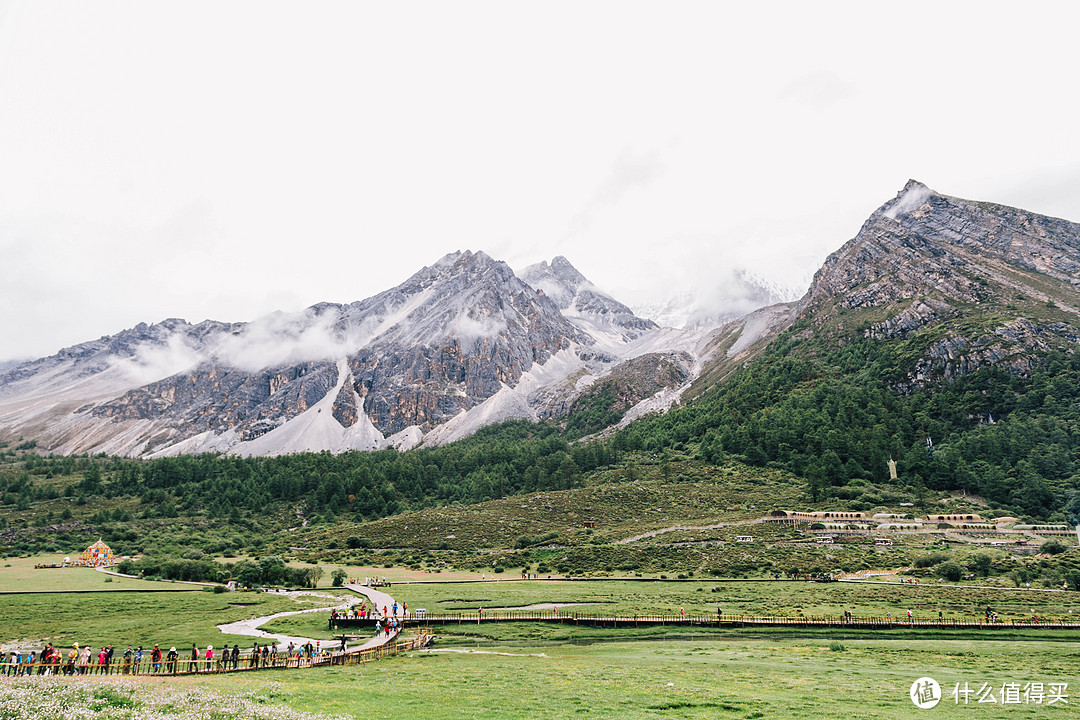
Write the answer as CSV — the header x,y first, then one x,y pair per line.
x,y
737,677
557,671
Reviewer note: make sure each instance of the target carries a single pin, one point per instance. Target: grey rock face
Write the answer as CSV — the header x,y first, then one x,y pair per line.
x,y
478,327
442,342
219,399
998,283
569,290
95,356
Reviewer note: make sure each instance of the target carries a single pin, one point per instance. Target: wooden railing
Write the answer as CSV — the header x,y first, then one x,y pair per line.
x,y
723,620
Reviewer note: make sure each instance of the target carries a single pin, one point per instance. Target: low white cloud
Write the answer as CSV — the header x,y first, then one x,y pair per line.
x,y
153,362
468,329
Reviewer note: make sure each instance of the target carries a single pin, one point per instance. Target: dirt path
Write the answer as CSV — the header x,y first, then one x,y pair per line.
x,y
251,627
677,528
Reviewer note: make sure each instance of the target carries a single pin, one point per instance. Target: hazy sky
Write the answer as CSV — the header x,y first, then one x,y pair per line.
x,y
226,159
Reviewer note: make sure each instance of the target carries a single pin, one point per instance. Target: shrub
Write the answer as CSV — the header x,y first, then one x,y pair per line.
x,y
1052,547
930,560
950,571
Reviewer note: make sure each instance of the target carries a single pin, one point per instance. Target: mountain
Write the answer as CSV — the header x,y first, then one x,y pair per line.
x,y
943,336
586,306
462,343
970,285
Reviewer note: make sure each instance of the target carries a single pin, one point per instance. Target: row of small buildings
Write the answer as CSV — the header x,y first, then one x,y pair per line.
x,y
895,522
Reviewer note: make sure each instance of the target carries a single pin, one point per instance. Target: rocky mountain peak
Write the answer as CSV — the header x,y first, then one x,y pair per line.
x,y
924,266
581,301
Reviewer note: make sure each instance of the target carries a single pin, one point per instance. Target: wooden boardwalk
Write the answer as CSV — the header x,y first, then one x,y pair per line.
x,y
722,621
183,666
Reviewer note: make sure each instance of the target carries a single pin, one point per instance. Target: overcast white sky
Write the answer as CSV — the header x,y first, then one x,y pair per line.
x,y
226,159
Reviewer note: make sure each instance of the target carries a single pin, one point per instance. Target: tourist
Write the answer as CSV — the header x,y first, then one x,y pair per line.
x,y
72,658
236,655
46,658
193,664
155,658
84,660
273,655
102,658
209,657
128,655
253,661
170,660
138,658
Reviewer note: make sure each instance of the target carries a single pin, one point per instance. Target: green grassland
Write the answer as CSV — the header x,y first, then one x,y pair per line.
x,y
700,678
20,575
520,670
629,597
123,618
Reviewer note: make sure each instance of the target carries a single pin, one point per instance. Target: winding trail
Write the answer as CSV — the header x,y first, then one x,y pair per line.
x,y
676,528
251,626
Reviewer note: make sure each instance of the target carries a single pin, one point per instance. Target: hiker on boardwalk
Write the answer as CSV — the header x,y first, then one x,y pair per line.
x,y
193,664
155,658
103,659
46,658
209,657
170,660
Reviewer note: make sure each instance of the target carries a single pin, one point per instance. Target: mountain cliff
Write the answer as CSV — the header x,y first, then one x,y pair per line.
x,y
942,336
967,284
464,339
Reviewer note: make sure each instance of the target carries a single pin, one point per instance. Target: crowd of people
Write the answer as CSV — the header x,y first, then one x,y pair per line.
x,y
82,660
362,612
